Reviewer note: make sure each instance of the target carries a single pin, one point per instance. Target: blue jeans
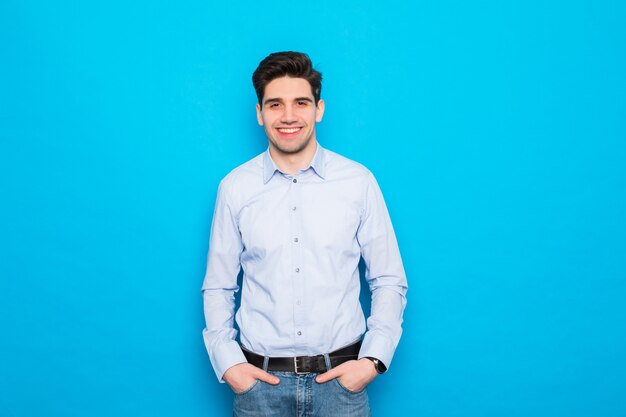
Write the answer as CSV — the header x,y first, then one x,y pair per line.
x,y
300,396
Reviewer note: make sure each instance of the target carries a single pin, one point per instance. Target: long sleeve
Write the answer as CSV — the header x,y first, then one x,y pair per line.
x,y
385,276
220,285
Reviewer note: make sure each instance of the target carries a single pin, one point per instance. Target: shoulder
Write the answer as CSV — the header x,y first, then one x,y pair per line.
x,y
337,162
244,175
339,166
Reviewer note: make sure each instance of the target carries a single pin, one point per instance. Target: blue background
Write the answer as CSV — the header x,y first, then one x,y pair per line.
x,y
496,130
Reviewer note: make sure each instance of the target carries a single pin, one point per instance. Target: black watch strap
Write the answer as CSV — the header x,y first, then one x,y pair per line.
x,y
378,365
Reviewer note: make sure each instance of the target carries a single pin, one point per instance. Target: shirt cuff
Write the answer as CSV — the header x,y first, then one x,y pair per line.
x,y
377,346
225,356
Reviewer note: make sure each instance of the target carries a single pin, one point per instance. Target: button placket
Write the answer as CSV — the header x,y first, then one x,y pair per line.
x,y
299,283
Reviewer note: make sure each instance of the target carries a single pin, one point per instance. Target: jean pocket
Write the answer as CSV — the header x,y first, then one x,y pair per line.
x,y
349,391
247,390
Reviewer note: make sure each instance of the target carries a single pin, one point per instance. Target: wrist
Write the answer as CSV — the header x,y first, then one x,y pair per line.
x,y
378,365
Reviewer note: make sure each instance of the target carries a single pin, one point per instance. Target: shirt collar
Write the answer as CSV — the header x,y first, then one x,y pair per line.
x,y
318,163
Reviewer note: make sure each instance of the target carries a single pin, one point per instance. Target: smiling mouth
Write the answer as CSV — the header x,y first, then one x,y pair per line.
x,y
289,130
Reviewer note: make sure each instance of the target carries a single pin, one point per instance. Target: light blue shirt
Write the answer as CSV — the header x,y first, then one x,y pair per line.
x,y
298,240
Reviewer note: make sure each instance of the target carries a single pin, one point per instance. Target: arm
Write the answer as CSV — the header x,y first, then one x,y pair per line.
x,y
218,291
385,275
220,285
387,281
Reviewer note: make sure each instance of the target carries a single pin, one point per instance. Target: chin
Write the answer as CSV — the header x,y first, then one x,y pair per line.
x,y
291,149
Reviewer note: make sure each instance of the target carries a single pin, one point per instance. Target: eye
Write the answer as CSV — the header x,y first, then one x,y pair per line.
x,y
274,105
303,103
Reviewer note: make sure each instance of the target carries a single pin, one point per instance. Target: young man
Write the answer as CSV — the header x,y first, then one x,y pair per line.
x,y
297,219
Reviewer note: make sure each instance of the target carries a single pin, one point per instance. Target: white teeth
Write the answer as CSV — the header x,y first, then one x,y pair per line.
x,y
292,130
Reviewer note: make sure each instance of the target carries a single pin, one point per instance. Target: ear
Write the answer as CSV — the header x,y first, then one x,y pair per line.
x,y
320,110
259,116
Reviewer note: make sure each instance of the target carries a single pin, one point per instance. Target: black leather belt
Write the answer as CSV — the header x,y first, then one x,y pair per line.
x,y
305,364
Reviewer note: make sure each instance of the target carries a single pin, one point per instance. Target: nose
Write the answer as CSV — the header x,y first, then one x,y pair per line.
x,y
288,115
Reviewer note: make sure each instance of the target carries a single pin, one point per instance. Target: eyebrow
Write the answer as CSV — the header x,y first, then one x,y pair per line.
x,y
280,100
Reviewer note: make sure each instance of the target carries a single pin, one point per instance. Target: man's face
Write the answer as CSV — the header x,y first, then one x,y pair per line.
x,y
289,114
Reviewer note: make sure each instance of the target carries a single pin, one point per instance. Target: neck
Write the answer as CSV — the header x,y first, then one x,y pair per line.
x,y
291,163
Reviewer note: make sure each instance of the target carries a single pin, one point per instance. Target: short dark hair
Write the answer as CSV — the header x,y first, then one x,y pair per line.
x,y
289,64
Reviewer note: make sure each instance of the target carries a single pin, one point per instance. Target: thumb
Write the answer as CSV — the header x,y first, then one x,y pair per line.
x,y
327,376
265,377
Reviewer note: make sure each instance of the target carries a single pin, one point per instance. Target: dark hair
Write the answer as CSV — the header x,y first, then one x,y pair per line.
x,y
290,64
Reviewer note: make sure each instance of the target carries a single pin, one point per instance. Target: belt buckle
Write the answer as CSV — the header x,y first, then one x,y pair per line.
x,y
295,367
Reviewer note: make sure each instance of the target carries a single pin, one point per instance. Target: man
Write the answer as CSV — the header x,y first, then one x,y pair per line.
x,y
297,219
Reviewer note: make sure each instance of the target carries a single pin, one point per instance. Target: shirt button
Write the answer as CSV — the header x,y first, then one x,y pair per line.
x,y
293,208
299,333
295,239
298,302
297,269
295,180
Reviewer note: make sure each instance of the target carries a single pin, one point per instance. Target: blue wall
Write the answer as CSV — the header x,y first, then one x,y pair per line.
x,y
496,130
